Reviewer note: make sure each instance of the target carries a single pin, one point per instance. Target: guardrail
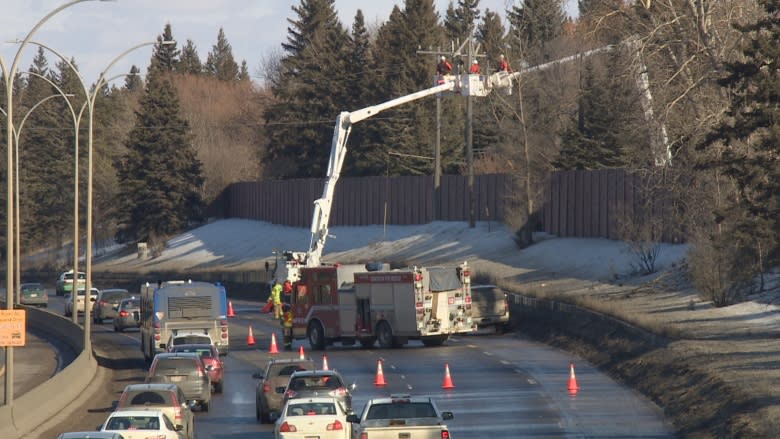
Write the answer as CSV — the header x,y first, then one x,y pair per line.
x,y
46,400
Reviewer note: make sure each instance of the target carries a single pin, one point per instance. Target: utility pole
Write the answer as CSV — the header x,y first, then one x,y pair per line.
x,y
471,55
437,146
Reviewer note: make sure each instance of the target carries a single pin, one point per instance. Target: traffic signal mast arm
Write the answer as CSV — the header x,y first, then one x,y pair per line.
x,y
338,150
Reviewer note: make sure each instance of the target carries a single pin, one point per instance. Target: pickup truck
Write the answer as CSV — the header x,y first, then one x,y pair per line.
x,y
400,417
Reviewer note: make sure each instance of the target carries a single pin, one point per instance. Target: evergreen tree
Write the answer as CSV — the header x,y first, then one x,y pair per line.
x,y
42,147
309,91
165,57
360,65
160,175
133,81
459,22
491,34
189,60
750,133
243,73
535,23
409,129
220,63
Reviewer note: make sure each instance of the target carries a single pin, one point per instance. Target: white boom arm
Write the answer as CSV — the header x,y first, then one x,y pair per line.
x,y
322,206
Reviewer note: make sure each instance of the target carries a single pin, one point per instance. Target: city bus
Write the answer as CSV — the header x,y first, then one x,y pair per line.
x,y
175,308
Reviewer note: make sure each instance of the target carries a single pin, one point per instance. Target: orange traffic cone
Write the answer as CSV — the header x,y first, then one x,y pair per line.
x,y
324,362
447,384
273,349
250,339
379,381
573,387
301,354
231,311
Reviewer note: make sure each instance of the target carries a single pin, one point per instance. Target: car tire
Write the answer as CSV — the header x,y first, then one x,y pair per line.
x,y
384,335
367,343
316,335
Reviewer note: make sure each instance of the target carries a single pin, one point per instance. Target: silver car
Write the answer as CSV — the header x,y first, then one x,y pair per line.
x,y
128,315
107,303
34,294
186,370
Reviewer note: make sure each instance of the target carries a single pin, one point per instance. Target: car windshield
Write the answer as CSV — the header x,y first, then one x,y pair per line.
x,y
401,411
130,304
145,397
171,364
69,276
32,288
203,351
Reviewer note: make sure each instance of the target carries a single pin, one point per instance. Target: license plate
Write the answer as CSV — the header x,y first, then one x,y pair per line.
x,y
177,378
311,437
33,294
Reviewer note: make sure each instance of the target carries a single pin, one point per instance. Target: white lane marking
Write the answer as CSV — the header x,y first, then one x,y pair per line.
x,y
489,354
505,362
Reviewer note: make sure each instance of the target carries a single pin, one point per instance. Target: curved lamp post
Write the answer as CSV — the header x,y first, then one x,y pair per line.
x,y
91,96
9,73
17,132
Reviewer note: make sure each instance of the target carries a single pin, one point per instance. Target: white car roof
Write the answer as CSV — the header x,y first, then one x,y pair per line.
x,y
314,399
135,412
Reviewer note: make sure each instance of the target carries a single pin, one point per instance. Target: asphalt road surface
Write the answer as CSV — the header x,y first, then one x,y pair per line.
x,y
505,386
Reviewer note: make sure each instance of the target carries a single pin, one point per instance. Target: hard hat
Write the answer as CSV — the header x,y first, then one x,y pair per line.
x,y
500,56
443,57
475,62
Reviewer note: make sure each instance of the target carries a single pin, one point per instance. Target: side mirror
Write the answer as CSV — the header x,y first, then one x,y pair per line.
x,y
178,427
280,390
446,416
209,368
257,375
274,416
353,418
114,405
353,386
99,427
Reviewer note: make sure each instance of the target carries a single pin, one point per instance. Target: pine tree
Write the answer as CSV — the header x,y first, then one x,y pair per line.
x,y
42,147
165,57
243,73
133,81
409,129
534,24
750,139
360,66
459,23
309,91
190,61
220,63
160,175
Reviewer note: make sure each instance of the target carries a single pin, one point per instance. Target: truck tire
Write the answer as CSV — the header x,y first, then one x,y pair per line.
x,y
435,340
367,343
384,335
316,336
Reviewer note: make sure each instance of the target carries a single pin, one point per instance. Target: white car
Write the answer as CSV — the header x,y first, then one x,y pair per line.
x,y
186,337
323,417
142,424
81,294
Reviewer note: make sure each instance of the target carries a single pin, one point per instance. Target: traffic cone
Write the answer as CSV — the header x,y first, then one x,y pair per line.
x,y
447,384
301,354
274,349
573,387
250,339
231,311
324,362
379,381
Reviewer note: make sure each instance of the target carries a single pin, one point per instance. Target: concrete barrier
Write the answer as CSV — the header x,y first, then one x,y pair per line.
x,y
46,400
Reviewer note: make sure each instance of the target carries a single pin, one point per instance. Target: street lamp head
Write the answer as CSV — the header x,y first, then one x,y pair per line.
x,y
168,43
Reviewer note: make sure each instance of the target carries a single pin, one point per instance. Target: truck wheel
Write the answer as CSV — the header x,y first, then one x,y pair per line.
x,y
316,336
384,335
367,343
435,340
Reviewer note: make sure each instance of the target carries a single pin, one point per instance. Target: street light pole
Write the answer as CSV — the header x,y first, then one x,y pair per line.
x,y
9,74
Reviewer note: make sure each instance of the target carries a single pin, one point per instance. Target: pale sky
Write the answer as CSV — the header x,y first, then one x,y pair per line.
x,y
96,32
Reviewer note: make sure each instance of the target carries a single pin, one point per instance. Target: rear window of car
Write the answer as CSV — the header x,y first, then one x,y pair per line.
x,y
133,423
165,365
401,411
32,288
130,304
191,339
113,295
147,397
287,369
311,408
315,383
204,352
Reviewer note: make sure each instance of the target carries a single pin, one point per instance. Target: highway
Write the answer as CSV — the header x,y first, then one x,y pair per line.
x,y
505,386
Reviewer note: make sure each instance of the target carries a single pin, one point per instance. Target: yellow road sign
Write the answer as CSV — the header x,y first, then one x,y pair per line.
x,y
13,327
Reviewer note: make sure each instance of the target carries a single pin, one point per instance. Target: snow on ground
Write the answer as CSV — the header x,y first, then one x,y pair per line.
x,y
236,244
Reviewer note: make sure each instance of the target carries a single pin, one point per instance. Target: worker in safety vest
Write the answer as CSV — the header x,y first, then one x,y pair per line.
x,y
474,70
503,64
287,324
276,298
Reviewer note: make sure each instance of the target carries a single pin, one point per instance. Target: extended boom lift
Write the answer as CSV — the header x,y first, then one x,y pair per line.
x,y
463,84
